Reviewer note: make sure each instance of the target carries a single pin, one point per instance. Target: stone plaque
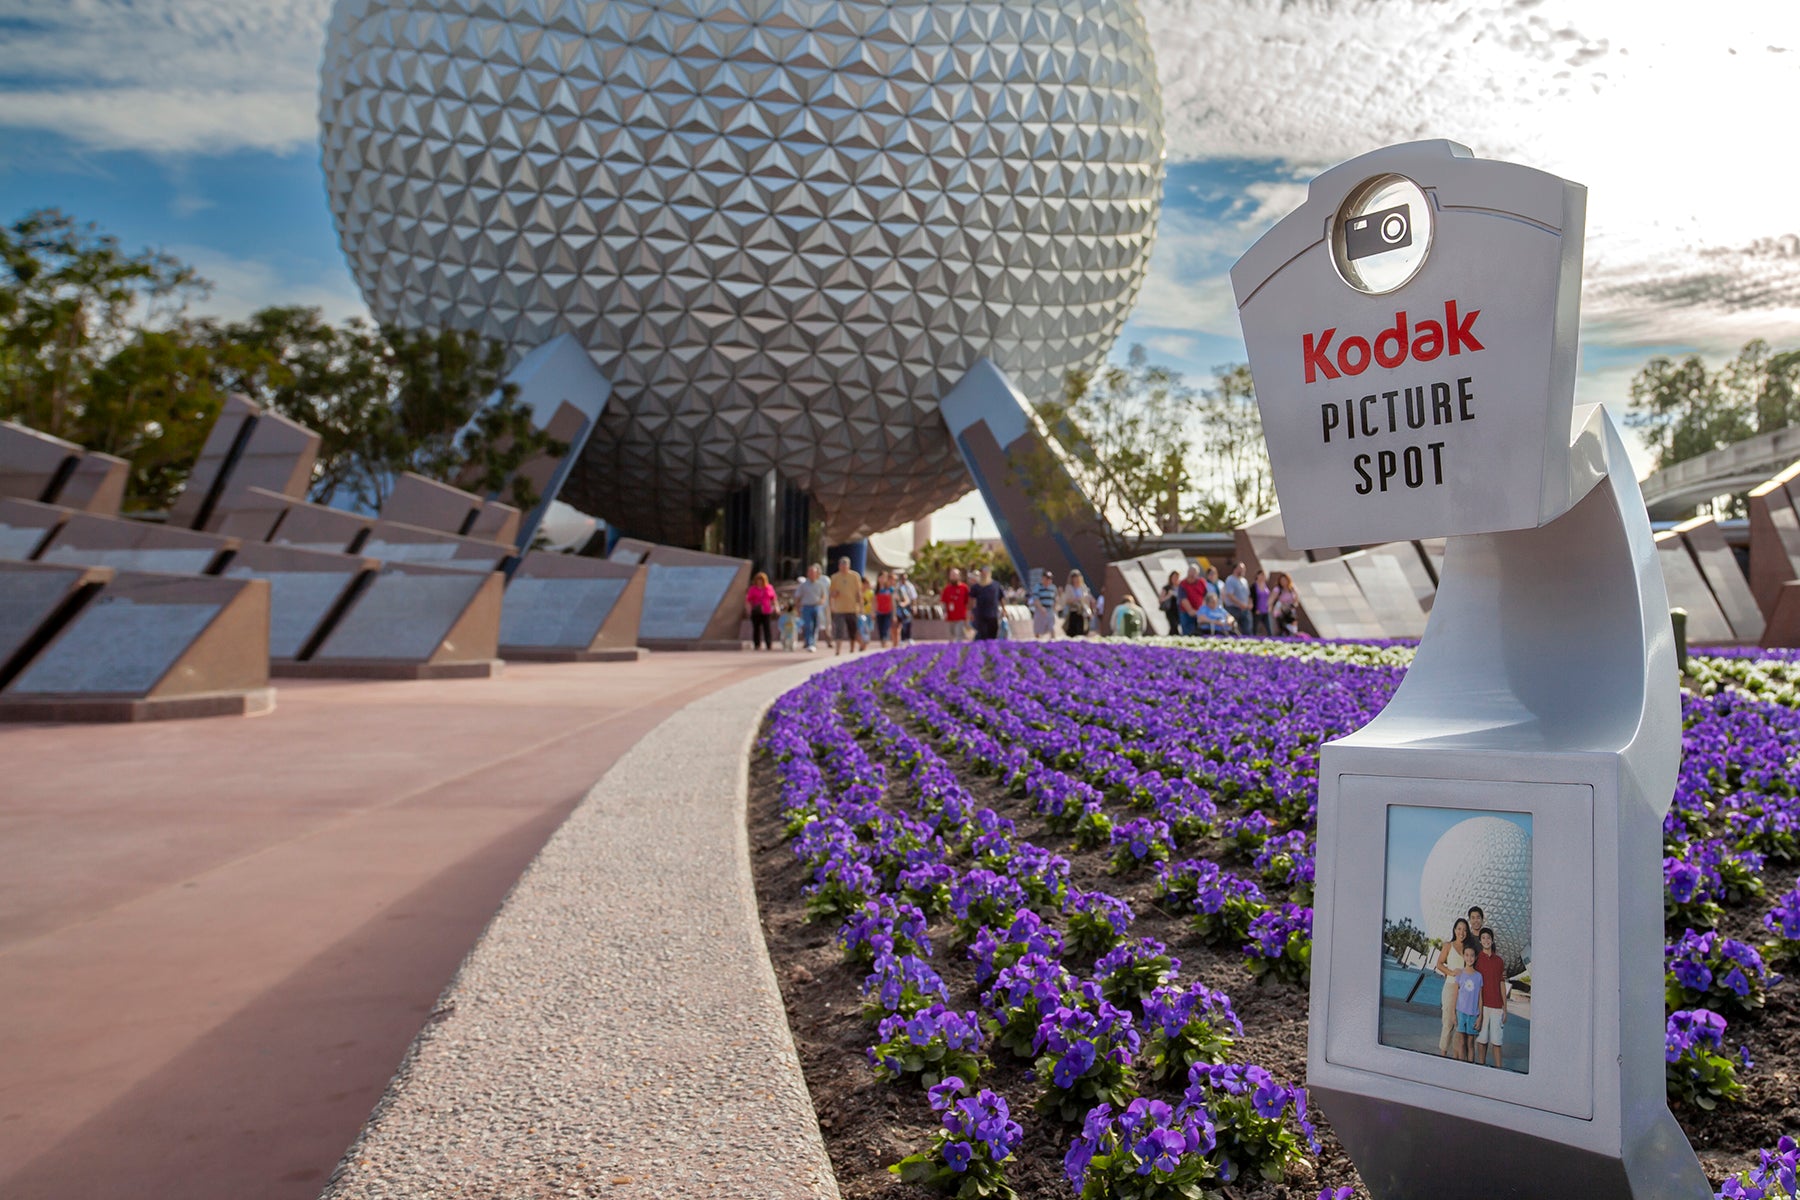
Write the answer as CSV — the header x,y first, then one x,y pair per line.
x,y
30,595
31,462
1389,592
438,554
680,602
117,645
1333,603
20,542
1688,590
1729,585
401,616
122,558
416,500
558,612
298,602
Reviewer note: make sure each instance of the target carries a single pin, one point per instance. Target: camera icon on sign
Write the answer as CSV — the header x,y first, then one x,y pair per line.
x,y
1377,232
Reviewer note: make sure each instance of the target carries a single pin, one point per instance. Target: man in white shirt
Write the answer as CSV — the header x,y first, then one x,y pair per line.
x,y
1237,598
810,595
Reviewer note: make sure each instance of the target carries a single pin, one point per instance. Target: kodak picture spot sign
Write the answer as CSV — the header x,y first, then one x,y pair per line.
x,y
1412,331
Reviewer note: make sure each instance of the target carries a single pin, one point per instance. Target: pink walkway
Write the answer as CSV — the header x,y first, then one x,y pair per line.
x,y
217,938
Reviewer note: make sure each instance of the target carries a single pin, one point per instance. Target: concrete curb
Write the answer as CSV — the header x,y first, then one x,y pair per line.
x,y
617,1030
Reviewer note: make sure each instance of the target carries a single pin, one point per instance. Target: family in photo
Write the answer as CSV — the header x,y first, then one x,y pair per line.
x,y
1475,992
1456,936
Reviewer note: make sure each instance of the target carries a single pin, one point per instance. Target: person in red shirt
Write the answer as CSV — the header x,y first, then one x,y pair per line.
x,y
1494,989
955,597
1193,599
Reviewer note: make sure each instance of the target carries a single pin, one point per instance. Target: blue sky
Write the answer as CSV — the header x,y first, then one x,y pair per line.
x,y
190,125
1412,832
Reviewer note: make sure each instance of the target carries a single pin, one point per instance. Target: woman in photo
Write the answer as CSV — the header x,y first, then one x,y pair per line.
x,y
1449,964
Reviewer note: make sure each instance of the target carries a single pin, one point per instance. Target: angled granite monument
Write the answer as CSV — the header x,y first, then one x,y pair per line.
x,y
564,608
37,467
1412,332
692,600
247,447
1018,469
151,647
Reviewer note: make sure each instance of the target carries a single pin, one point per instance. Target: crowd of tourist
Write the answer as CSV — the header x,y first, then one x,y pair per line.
x,y
850,611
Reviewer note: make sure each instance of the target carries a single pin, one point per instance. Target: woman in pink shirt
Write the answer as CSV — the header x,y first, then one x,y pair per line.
x,y
760,601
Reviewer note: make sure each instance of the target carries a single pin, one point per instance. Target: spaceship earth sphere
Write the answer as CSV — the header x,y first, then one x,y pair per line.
x,y
782,228
1482,862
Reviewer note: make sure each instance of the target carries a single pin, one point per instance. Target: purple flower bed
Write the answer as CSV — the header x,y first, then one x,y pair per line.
x,y
1014,849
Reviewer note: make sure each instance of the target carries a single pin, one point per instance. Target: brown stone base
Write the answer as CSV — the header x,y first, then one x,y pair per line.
x,y
484,668
714,644
59,709
540,654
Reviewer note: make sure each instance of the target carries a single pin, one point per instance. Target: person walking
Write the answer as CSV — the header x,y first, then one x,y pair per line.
x,y
887,628
1260,592
1076,604
1043,606
759,602
906,598
985,599
955,599
846,607
1236,589
810,595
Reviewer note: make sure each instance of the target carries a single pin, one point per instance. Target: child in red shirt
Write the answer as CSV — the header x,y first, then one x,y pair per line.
x,y
1494,989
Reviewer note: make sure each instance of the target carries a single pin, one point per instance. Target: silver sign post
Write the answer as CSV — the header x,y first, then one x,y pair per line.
x,y
1412,333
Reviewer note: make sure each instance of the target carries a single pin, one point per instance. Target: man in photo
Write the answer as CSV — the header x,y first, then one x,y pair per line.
x,y
1494,992
1468,1006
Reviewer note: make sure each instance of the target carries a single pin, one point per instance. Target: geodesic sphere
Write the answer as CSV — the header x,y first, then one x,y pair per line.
x,y
1482,862
782,228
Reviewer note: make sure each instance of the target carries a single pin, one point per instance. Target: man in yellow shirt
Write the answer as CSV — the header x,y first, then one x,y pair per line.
x,y
846,607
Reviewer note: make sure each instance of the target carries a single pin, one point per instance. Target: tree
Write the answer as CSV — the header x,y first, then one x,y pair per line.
x,y
1151,454
1115,446
385,401
1684,410
1234,458
932,563
95,348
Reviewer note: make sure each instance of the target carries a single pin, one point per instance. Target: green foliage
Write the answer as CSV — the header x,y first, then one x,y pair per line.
x,y
1703,1078
385,401
1684,410
1397,937
96,347
932,563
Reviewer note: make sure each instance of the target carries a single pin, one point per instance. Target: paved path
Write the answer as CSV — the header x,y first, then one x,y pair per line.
x,y
218,938
618,1030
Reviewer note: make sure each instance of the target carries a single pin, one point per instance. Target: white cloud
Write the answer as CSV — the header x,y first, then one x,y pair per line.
x,y
165,76
1668,113
243,285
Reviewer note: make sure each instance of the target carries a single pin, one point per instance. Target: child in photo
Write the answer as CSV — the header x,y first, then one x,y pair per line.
x,y
790,626
1468,1006
1494,991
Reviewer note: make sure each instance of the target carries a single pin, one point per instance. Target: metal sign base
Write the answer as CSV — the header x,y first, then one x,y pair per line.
x,y
1545,687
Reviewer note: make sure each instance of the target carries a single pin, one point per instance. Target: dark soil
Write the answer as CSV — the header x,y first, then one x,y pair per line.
x,y
869,1125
